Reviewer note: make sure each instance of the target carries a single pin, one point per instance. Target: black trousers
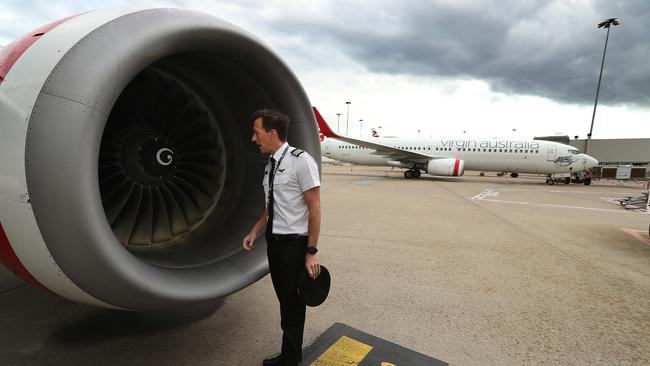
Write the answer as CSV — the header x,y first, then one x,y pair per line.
x,y
286,261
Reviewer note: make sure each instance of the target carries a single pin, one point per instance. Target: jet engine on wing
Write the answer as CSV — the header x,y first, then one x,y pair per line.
x,y
127,175
446,167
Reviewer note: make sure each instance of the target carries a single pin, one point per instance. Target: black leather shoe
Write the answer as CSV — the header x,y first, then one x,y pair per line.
x,y
273,361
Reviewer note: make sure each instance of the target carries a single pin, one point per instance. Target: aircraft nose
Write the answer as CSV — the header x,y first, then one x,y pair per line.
x,y
591,163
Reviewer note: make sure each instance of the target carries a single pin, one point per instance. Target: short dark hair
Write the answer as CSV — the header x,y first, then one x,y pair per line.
x,y
273,120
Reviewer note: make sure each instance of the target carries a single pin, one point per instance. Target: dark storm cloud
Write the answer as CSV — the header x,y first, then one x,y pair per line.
x,y
549,49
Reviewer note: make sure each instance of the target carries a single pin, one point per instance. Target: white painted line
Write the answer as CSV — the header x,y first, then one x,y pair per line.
x,y
610,200
571,191
490,192
561,206
486,193
503,201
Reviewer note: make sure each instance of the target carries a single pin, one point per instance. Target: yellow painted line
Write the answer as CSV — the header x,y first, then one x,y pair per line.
x,y
344,352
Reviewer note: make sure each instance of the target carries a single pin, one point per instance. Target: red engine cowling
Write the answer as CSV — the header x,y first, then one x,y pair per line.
x,y
446,167
127,175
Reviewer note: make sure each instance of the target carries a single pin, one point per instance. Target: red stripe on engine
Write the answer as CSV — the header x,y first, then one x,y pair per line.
x,y
10,260
12,52
456,165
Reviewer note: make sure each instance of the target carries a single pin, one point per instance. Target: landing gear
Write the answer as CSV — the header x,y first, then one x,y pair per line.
x,y
514,174
412,173
550,181
587,181
567,180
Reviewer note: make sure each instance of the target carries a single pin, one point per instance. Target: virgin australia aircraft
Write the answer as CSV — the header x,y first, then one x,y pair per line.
x,y
449,157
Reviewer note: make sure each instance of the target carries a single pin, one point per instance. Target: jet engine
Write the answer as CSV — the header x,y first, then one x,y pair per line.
x,y
446,167
127,175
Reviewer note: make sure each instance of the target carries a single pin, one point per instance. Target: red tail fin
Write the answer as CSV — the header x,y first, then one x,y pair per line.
x,y
324,128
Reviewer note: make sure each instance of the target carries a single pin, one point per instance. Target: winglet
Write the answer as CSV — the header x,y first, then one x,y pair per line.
x,y
324,128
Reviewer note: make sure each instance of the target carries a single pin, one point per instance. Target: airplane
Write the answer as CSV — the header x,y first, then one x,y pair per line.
x,y
450,157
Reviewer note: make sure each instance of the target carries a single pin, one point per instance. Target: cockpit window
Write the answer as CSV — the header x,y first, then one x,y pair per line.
x,y
575,152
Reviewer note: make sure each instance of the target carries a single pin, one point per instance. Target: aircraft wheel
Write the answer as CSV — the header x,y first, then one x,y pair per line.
x,y
417,173
550,181
567,180
587,181
408,174
514,174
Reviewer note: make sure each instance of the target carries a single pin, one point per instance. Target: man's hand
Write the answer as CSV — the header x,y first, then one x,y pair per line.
x,y
249,241
312,263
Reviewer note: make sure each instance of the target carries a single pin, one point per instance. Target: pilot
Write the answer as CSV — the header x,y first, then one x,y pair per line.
x,y
292,218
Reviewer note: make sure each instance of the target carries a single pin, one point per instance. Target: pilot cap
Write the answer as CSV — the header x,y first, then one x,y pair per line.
x,y
314,292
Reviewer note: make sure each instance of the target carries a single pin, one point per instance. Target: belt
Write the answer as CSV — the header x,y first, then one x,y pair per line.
x,y
285,237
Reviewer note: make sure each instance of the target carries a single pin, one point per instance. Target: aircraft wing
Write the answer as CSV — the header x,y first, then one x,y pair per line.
x,y
389,152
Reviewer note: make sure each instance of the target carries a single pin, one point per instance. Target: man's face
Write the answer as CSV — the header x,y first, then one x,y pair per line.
x,y
266,140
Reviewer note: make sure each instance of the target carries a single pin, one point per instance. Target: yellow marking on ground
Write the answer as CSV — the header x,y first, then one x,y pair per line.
x,y
387,364
344,352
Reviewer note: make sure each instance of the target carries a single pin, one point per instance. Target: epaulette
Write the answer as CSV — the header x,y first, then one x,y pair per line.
x,y
297,152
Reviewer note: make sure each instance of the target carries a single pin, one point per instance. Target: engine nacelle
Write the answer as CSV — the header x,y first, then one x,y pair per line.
x,y
127,174
446,167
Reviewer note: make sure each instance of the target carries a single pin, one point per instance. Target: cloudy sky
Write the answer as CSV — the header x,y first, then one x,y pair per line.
x,y
444,67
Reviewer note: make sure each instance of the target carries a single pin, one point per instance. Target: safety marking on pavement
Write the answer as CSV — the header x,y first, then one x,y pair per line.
x,y
491,193
641,235
486,193
346,351
567,191
610,200
341,345
564,206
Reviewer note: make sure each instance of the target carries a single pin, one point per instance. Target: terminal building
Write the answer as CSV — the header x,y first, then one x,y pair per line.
x,y
613,155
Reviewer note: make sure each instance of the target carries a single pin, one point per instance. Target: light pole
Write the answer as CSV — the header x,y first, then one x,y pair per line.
x,y
604,24
338,122
347,119
360,127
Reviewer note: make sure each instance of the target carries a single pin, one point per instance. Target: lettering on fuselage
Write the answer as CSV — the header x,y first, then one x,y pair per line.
x,y
487,144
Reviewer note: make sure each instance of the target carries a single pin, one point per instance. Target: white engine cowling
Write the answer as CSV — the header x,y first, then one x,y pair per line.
x,y
446,167
127,174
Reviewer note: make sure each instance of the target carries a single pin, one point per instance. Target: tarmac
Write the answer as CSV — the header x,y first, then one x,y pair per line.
x,y
467,270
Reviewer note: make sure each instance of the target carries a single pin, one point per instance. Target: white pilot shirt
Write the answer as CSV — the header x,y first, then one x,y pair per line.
x,y
294,175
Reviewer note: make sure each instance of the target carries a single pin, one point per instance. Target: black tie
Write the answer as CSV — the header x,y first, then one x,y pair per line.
x,y
269,207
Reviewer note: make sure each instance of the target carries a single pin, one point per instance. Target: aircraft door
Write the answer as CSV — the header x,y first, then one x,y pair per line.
x,y
326,144
551,153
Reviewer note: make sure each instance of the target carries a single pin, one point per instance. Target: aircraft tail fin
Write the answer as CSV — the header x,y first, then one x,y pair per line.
x,y
324,127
